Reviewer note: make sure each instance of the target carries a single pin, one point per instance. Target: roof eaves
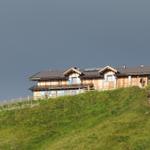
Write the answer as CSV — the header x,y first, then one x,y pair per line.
x,y
108,67
74,69
33,77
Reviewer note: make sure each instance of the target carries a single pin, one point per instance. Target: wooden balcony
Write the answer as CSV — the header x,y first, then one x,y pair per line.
x,y
62,87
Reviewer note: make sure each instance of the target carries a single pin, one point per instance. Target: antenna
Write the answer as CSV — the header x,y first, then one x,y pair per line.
x,y
124,66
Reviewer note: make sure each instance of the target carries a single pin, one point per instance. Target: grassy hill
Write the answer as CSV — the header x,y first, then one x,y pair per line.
x,y
110,120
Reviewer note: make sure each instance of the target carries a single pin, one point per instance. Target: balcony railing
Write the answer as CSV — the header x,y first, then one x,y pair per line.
x,y
62,87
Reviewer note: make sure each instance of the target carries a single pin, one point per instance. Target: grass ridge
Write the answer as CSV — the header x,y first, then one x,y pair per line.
x,y
116,120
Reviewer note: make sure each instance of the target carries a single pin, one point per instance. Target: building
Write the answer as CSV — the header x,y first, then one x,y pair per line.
x,y
72,81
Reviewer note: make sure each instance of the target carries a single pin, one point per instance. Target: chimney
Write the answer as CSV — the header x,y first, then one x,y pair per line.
x,y
124,66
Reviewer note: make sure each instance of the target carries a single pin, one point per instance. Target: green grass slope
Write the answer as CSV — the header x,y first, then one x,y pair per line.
x,y
110,120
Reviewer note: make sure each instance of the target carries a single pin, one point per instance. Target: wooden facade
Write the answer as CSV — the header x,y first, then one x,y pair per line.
x,y
73,81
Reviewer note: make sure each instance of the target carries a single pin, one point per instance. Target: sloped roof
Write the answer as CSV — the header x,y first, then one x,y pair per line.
x,y
50,74
141,70
90,73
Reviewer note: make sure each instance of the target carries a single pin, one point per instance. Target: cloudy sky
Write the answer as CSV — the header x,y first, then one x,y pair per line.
x,y
41,34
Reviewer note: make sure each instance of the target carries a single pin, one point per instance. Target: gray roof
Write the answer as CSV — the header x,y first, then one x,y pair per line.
x,y
50,74
141,70
90,73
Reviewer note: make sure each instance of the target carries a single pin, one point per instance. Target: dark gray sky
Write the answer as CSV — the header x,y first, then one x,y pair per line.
x,y
41,34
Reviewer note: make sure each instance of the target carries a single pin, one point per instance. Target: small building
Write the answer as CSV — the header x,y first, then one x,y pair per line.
x,y
73,81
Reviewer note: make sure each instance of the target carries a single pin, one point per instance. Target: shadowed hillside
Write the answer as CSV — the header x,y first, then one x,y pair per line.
x,y
110,120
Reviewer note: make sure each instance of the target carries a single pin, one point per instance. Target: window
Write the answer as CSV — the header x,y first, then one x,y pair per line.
x,y
74,80
43,93
109,78
60,93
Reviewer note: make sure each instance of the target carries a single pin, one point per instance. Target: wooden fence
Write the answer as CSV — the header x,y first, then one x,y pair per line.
x,y
15,100
24,102
17,103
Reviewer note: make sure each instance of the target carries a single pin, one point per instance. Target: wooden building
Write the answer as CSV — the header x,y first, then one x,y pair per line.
x,y
72,81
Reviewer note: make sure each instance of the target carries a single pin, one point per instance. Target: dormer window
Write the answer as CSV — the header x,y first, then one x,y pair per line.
x,y
73,75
